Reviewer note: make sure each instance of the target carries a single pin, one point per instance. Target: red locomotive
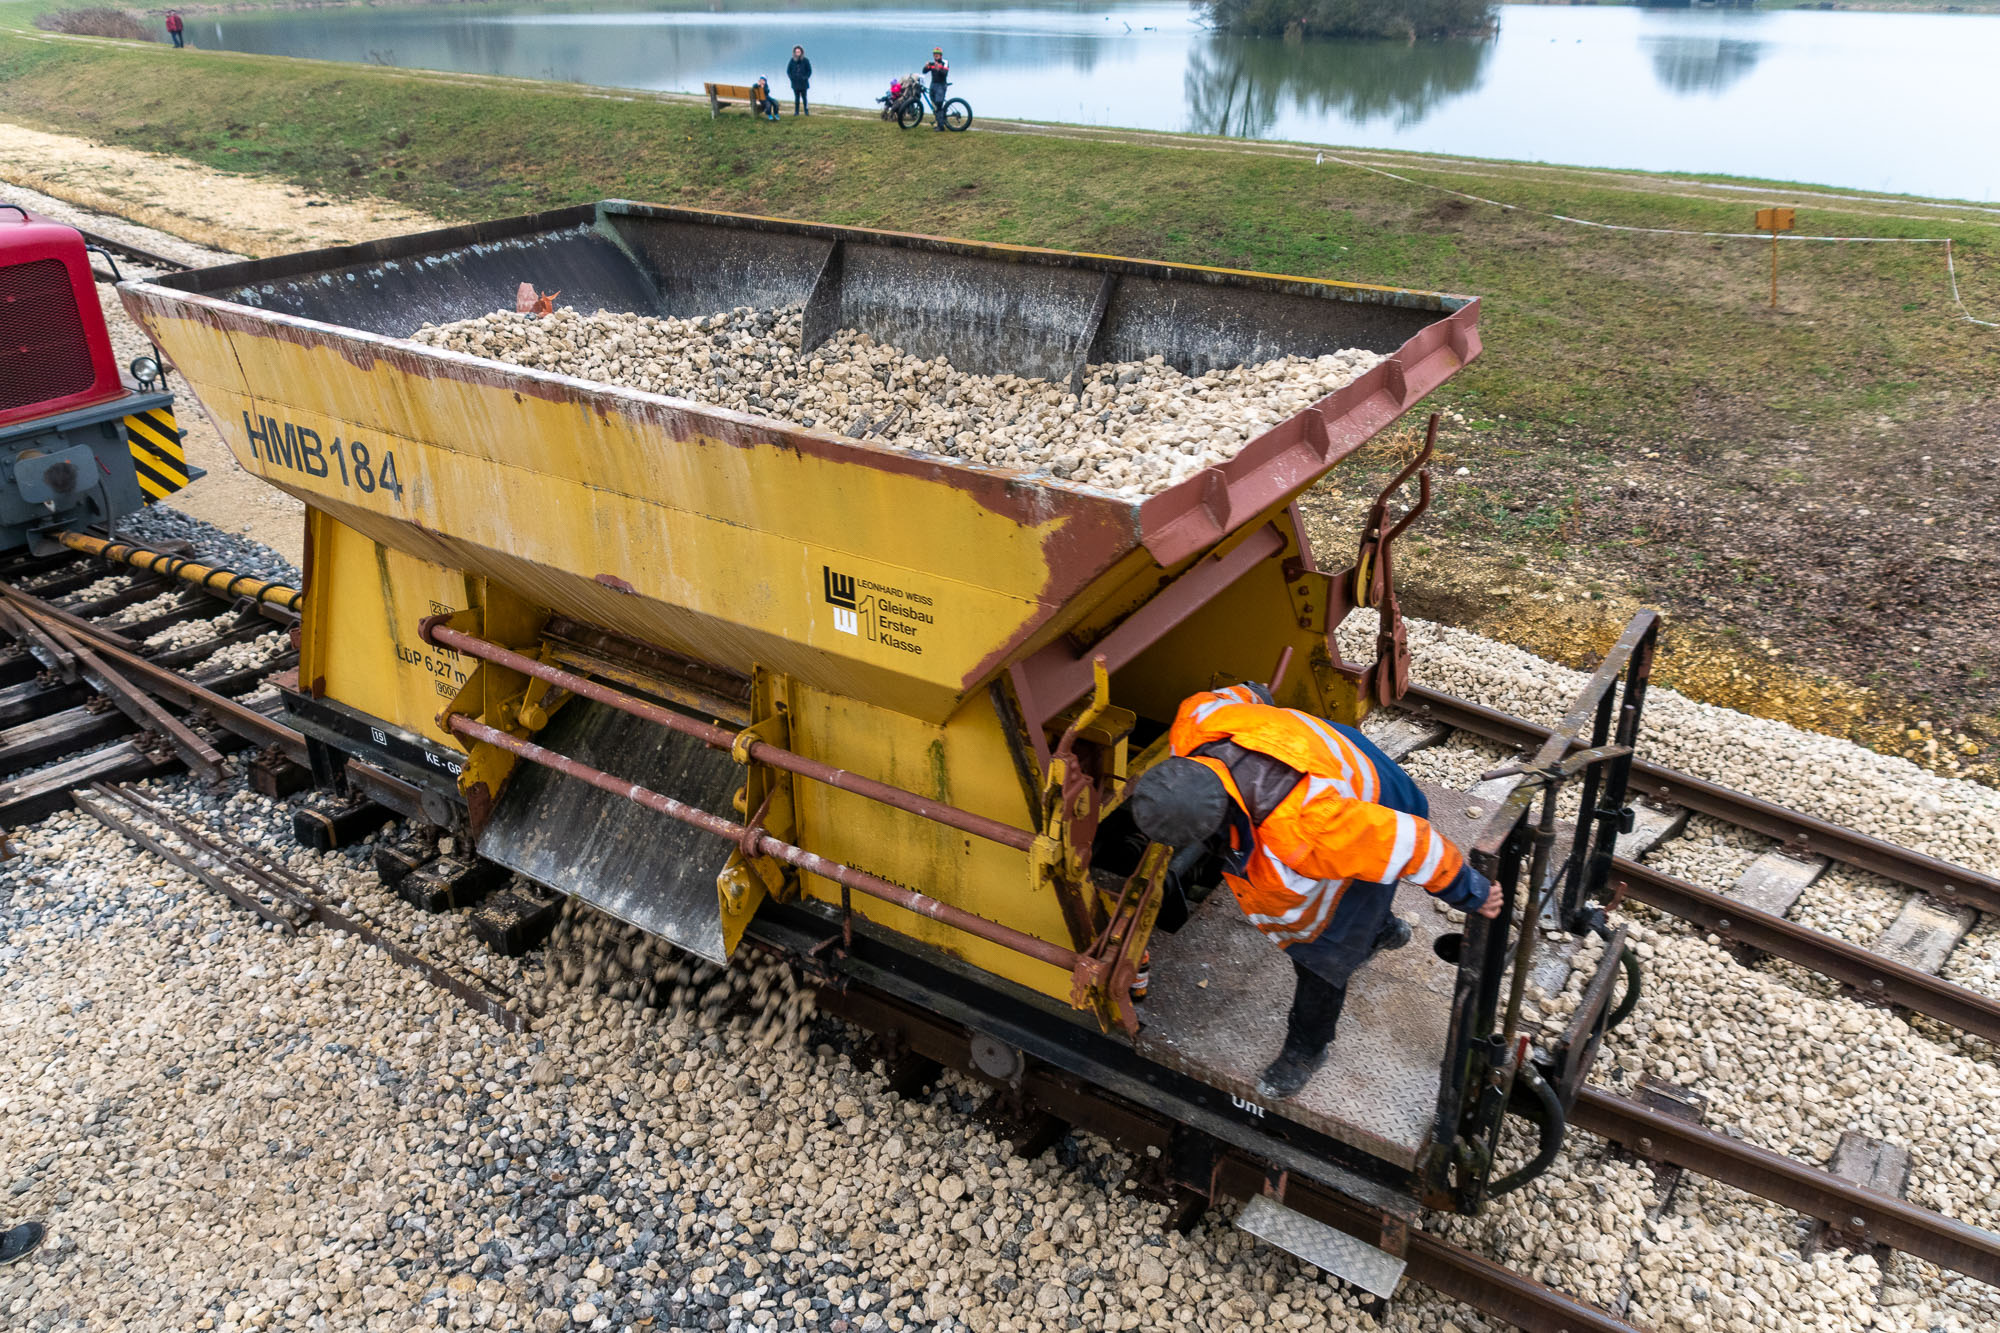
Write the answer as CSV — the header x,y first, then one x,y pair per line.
x,y
80,443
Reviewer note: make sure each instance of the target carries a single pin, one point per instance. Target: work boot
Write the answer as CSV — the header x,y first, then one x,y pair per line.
x,y
1309,1029
21,1241
1291,1071
1395,933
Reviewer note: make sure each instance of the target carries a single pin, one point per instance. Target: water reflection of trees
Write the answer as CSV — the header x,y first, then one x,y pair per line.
x,y
1235,85
1702,64
488,46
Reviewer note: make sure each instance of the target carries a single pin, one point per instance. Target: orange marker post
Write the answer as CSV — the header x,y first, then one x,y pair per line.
x,y
1774,220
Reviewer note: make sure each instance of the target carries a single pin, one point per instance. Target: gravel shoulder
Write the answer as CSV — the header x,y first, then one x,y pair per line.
x,y
223,211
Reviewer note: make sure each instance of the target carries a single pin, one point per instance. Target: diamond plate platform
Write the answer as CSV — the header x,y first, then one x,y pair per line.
x,y
1348,1258
1220,992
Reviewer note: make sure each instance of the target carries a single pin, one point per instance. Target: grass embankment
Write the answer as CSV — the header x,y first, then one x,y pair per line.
x,y
1809,491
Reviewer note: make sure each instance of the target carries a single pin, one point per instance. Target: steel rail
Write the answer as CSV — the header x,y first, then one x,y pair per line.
x,y
1797,1185
47,611
1870,973
206,875
167,684
287,887
140,706
72,658
136,253
746,746
755,842
1502,1292
1429,1259
1953,883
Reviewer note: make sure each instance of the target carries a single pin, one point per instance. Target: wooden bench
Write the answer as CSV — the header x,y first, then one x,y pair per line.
x,y
742,92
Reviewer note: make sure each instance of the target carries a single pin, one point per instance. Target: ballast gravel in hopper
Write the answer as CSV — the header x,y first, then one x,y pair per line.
x,y
1138,428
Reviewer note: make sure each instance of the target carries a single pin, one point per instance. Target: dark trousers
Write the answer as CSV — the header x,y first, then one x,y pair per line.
x,y
1359,921
177,38
1350,934
937,102
799,99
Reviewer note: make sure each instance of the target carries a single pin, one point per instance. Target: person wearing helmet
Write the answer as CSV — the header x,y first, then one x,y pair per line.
x,y
1314,826
940,71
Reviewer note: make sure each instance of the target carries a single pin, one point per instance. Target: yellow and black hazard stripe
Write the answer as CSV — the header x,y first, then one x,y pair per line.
x,y
157,456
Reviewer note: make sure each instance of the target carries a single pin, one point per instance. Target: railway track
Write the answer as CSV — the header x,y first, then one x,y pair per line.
x,y
104,685
1943,896
1188,1173
138,254
1187,1176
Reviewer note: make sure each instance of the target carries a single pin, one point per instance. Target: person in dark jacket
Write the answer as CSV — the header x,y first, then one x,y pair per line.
x,y
761,101
175,26
800,72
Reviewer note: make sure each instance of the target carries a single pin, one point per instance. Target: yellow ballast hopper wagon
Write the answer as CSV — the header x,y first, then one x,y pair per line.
x,y
718,671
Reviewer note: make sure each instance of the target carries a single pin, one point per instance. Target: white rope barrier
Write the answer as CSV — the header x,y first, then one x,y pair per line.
x,y
1951,267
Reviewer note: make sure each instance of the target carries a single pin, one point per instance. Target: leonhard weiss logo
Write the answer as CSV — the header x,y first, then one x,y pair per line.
x,y
840,592
892,617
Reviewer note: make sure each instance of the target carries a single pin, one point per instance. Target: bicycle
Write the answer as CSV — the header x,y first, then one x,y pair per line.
x,y
957,113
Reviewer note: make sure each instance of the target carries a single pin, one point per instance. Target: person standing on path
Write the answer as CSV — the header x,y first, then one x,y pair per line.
x,y
940,71
800,72
174,27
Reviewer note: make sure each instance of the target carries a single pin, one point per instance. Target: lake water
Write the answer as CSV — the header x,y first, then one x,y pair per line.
x,y
1897,102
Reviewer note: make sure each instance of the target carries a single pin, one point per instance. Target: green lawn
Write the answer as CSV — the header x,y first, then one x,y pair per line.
x,y
1624,331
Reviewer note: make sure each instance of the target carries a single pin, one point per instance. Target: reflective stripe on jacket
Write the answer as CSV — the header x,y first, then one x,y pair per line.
x,y
1291,859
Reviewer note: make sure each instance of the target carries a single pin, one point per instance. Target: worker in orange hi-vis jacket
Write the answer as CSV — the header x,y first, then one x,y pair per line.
x,y
1314,826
